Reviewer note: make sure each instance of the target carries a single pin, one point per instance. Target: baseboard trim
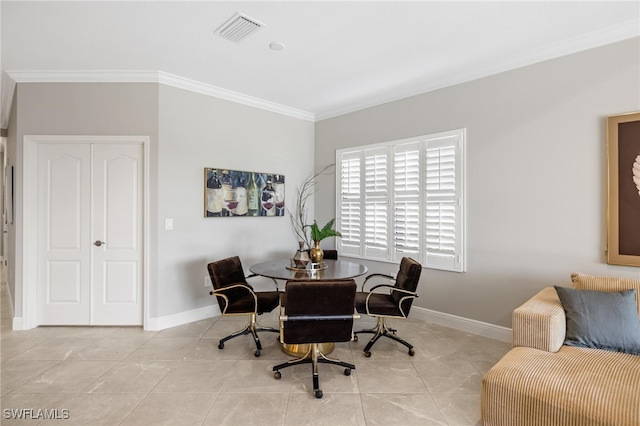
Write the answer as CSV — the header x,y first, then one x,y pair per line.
x,y
10,298
464,324
16,322
427,315
168,321
480,328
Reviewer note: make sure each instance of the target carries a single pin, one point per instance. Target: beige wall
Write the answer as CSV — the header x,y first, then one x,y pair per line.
x,y
198,131
536,173
536,194
188,132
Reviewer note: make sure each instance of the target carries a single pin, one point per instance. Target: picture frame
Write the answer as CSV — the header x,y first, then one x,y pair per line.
x,y
230,193
623,194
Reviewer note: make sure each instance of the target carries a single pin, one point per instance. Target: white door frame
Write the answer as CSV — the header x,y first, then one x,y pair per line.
x,y
30,217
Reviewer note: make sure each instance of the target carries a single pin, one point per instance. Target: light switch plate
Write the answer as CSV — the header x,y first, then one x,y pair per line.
x,y
168,224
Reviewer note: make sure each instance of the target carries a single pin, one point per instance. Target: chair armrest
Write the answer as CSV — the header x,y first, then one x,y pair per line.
x,y
389,277
221,293
411,295
393,288
540,322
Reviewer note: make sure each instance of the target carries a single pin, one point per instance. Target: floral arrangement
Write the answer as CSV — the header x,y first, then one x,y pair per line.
x,y
304,231
319,234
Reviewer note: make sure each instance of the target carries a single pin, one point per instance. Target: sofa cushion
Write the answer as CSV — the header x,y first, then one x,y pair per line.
x,y
575,386
601,319
593,282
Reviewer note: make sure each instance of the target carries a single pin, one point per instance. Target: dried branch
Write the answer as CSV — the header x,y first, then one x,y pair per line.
x,y
298,217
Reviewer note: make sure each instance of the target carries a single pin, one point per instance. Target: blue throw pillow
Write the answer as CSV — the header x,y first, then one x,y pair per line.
x,y
601,319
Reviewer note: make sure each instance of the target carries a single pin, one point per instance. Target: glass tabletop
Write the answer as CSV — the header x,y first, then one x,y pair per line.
x,y
336,270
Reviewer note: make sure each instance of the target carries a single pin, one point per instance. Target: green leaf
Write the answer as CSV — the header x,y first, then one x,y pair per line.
x,y
327,231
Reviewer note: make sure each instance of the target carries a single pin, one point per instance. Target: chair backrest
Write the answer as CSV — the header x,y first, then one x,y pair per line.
x,y
407,279
331,254
319,299
327,254
227,272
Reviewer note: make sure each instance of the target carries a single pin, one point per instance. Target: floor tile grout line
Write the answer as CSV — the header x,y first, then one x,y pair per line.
x,y
476,359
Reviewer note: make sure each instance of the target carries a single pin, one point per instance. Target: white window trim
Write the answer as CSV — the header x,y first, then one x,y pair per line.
x,y
455,263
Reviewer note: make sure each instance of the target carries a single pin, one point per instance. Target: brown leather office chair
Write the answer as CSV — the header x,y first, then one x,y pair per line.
x,y
395,303
314,312
236,297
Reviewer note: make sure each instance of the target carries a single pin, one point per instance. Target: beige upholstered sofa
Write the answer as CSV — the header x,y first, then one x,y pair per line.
x,y
542,381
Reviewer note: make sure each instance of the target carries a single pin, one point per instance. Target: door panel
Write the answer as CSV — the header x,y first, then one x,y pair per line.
x,y
67,191
122,201
64,284
120,282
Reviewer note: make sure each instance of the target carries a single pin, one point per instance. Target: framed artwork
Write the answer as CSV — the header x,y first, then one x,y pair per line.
x,y
238,193
623,206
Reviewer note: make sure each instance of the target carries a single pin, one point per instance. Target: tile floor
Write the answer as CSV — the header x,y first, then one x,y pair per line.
x,y
178,376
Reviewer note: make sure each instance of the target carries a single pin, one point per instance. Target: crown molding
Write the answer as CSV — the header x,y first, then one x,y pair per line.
x,y
8,88
159,77
613,34
218,92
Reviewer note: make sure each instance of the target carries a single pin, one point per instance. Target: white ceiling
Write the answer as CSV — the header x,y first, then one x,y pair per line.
x,y
339,57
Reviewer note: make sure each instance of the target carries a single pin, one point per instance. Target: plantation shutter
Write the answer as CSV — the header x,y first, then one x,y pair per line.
x,y
349,219
376,202
406,201
443,203
404,198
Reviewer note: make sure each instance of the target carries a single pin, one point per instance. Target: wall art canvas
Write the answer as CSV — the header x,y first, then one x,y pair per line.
x,y
623,210
238,193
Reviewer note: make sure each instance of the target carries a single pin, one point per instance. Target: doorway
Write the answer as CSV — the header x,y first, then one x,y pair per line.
x,y
85,216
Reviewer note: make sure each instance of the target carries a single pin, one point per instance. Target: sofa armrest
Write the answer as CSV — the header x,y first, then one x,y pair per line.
x,y
540,323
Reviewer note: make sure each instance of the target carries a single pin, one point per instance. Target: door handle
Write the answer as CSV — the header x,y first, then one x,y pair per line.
x,y
98,243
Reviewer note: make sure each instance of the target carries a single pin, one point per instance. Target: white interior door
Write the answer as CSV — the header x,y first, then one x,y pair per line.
x,y
63,239
117,234
90,251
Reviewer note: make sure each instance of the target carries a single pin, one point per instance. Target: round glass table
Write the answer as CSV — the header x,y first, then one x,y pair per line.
x,y
336,270
281,270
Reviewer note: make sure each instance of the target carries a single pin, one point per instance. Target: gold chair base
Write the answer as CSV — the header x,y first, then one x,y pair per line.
x,y
302,349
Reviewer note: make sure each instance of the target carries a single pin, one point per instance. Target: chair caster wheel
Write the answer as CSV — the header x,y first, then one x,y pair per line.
x,y
412,352
347,371
256,354
355,337
318,393
277,375
220,345
367,354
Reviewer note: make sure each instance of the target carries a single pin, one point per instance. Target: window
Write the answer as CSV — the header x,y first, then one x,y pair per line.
x,y
404,198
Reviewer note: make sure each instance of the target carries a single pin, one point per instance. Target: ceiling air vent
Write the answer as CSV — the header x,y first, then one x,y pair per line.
x,y
238,27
